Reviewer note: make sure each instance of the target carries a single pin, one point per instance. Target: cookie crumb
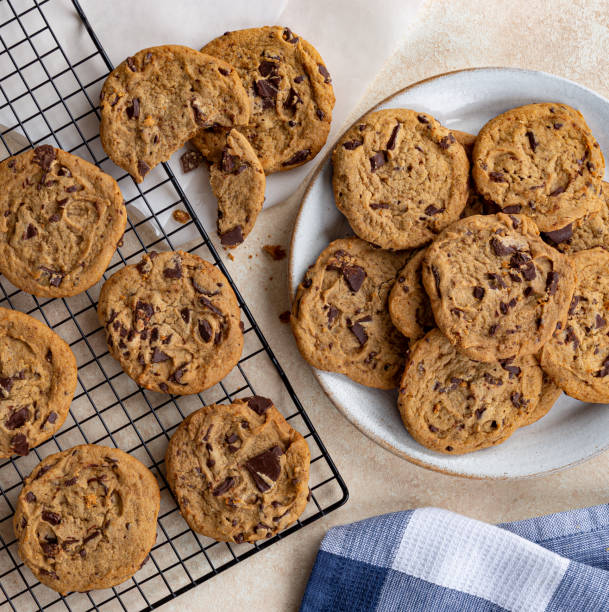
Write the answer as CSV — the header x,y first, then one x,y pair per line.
x,y
276,251
284,317
230,256
191,160
181,216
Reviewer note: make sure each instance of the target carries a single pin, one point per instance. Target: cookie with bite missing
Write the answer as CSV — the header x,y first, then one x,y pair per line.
x,y
37,382
497,290
340,317
290,93
239,472
540,160
577,355
238,182
399,177
453,404
86,518
172,321
61,219
154,101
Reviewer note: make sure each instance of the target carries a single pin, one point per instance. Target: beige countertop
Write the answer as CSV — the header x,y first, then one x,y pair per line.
x,y
569,38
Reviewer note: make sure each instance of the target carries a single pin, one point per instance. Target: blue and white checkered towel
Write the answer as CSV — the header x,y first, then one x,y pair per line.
x,y
436,560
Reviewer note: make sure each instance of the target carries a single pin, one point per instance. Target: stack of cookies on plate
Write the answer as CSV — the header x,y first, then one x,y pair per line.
x,y
86,517
477,282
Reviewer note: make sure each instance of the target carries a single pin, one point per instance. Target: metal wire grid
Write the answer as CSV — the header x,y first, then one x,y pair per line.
x,y
48,97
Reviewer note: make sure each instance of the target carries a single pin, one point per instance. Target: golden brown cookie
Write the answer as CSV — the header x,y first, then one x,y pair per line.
x,y
340,317
540,160
577,355
86,518
466,140
172,321
290,92
239,472
153,102
550,392
496,289
399,177
238,181
37,382
455,405
409,306
61,219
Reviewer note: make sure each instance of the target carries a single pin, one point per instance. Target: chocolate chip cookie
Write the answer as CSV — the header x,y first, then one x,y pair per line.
x,y
340,317
466,140
409,306
550,392
238,181
37,382
577,355
61,219
86,518
540,160
172,321
496,289
239,472
399,178
153,102
455,405
290,92
585,233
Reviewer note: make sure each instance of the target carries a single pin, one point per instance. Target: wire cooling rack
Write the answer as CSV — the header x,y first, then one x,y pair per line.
x,y
48,94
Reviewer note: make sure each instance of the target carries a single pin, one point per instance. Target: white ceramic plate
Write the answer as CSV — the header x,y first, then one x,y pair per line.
x,y
573,431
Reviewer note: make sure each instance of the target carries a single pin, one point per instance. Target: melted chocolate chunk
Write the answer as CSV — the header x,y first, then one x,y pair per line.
x,y
478,292
377,160
332,314
376,206
394,134
599,321
265,90
446,141
17,419
552,282
142,167
500,248
324,73
159,356
497,177
267,68
289,36
354,276
423,119
44,155
208,304
176,376
265,464
223,71
495,281
20,445
604,371
133,111
292,100
205,330
259,404
513,209
574,302
6,384
557,191
176,271
185,314
558,236
51,517
30,232
436,277
143,310
506,364
432,210
518,400
298,157
352,144
224,486
532,142
233,237
191,160
359,332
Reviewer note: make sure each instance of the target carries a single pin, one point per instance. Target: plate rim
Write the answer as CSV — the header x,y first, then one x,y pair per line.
x,y
317,373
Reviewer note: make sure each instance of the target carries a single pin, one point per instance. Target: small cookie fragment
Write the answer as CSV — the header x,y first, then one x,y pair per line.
x,y
340,318
86,518
153,102
290,92
409,305
577,355
61,219
496,289
37,382
172,321
540,160
452,404
238,182
239,472
399,177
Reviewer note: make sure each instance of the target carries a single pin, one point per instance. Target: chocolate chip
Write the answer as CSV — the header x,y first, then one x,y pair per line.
x,y
604,371
599,321
266,464
320,114
223,71
571,337
479,412
267,68
51,517
479,292
158,356
142,167
492,330
352,144
377,160
289,36
376,206
359,332
512,369
393,137
30,497
224,486
436,276
19,444
50,549
307,282
574,302
208,304
500,248
74,188
292,100
432,210
6,384
17,419
205,330
557,191
495,281
423,119
433,429
233,237
133,111
176,376
513,209
259,404
558,236
143,310
324,73
497,177
265,90
354,276
532,142
446,141
44,155
70,482
298,157
332,314
557,125
30,232
130,61
518,400
191,160
176,271
91,536
552,282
